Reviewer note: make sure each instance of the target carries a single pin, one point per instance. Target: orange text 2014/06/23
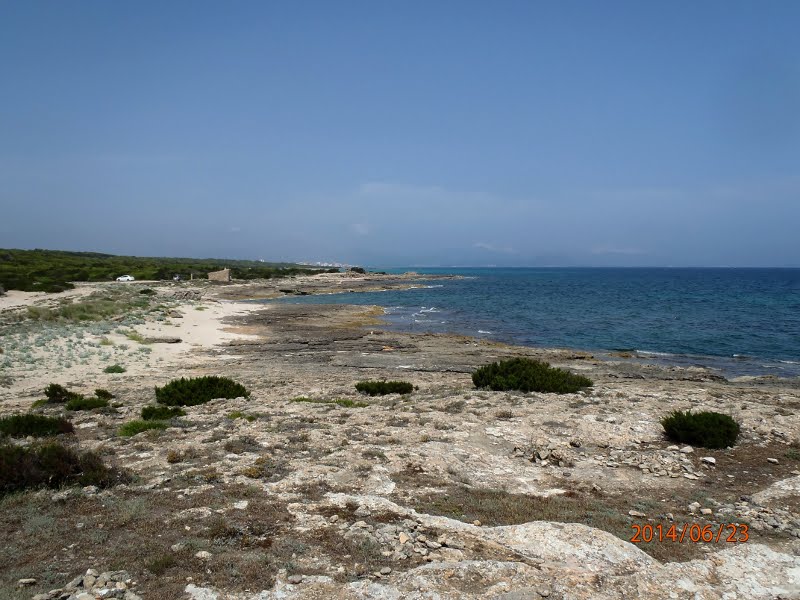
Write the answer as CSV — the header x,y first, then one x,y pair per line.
x,y
734,533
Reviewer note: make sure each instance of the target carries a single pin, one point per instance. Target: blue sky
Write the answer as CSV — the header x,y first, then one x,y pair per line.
x,y
404,133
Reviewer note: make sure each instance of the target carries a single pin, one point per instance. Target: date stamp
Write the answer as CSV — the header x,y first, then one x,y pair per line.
x,y
732,533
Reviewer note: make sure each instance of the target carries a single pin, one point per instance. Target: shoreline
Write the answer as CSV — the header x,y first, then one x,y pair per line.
x,y
389,472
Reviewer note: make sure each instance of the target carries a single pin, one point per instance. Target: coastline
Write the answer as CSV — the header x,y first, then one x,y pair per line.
x,y
393,462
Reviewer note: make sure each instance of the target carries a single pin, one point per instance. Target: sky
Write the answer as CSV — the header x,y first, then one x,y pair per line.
x,y
408,133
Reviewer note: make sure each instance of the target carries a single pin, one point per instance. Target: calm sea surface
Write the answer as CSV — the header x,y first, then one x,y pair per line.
x,y
738,321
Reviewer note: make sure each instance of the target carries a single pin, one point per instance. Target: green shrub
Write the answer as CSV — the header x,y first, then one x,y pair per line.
x,y
147,291
86,403
161,413
52,465
56,394
704,429
114,369
35,425
104,394
199,390
133,427
237,414
527,375
381,388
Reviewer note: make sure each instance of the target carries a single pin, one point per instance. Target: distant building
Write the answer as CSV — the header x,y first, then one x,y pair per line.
x,y
223,275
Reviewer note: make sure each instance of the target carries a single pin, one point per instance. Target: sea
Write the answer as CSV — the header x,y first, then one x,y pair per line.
x,y
737,322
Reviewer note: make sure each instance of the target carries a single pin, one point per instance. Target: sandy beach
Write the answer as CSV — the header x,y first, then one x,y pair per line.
x,y
448,492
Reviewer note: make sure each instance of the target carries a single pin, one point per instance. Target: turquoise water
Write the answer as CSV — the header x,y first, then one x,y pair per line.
x,y
739,321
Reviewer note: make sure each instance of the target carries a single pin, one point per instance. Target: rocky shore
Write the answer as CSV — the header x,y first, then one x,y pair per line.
x,y
448,492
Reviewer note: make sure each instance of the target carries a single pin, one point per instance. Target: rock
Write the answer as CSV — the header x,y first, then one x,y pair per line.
x,y
636,513
26,582
774,461
386,570
694,507
476,523
673,448
686,450
295,579
706,511
710,460
62,496
203,555
241,505
404,538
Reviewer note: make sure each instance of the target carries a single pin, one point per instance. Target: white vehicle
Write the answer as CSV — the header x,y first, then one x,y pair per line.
x,y
125,278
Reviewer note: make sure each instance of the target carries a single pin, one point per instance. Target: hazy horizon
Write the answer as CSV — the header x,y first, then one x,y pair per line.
x,y
523,134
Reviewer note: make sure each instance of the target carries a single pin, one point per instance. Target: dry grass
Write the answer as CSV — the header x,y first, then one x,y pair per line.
x,y
495,507
135,531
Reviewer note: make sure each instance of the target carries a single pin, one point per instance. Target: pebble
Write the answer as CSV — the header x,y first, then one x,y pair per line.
x,y
404,538
386,570
706,511
686,450
203,555
26,581
476,523
774,461
295,579
636,513
709,460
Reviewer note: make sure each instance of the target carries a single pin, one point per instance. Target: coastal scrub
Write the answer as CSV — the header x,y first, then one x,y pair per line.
x,y
705,429
381,388
199,390
528,375
34,425
52,465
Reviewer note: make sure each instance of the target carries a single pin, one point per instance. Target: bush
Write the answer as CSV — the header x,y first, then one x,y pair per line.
x,y
199,390
52,465
381,388
57,394
82,403
704,429
35,425
104,394
527,375
134,427
114,369
161,413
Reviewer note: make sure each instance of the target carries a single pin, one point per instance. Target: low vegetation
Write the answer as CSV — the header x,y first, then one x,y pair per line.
x,y
133,427
199,390
161,413
705,429
237,414
104,394
52,465
58,394
527,375
52,270
81,403
114,369
381,388
34,425
94,308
